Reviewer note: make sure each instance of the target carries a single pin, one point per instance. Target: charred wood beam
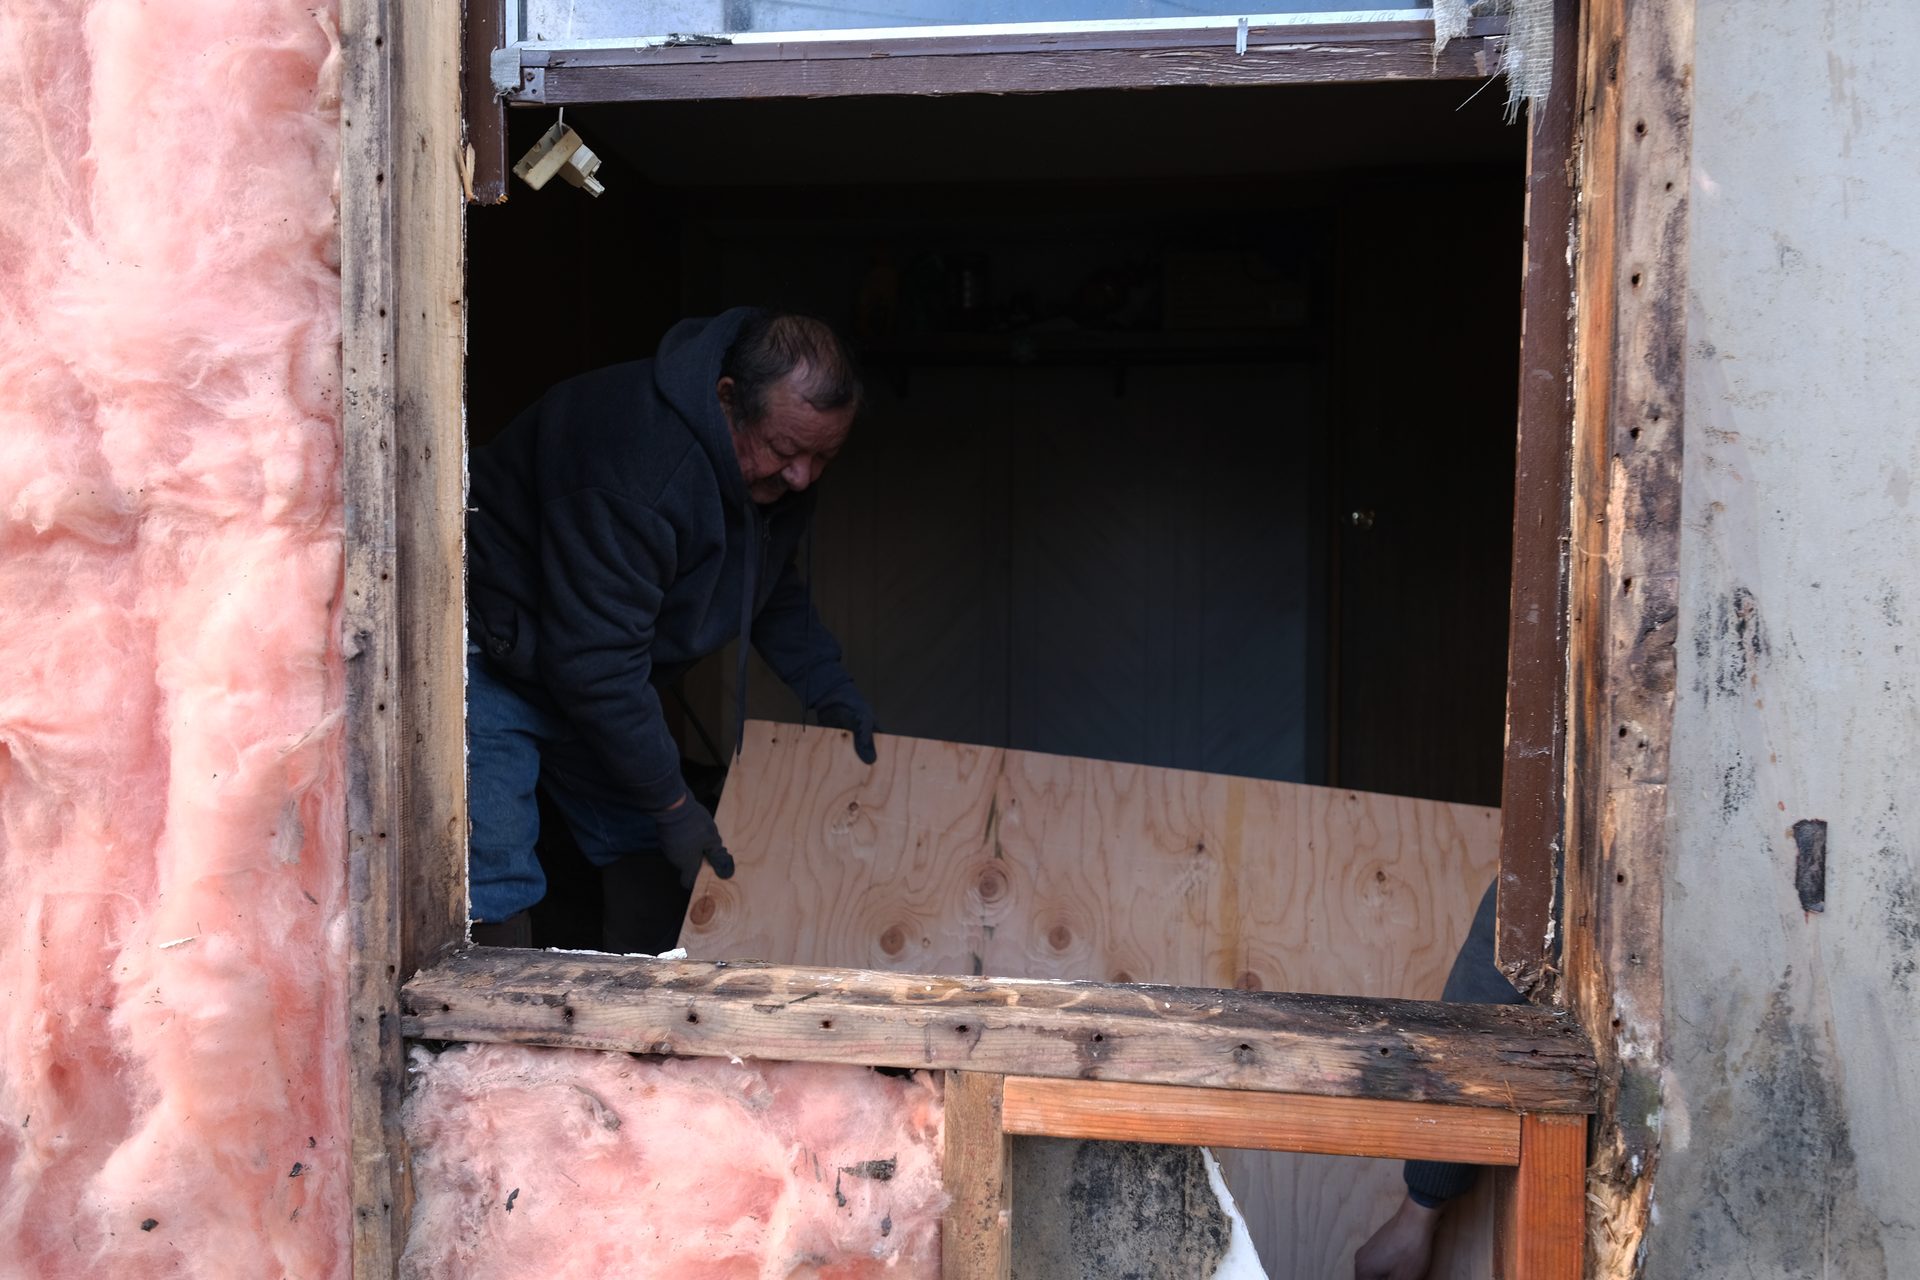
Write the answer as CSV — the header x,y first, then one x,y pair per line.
x,y
1512,1057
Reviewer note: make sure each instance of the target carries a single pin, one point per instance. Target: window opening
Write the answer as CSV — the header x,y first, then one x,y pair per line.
x,y
1220,464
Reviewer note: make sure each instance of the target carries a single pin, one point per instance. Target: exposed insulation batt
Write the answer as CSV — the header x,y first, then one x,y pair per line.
x,y
539,1163
171,802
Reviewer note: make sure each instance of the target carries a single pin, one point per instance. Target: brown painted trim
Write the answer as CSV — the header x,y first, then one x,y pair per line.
x,y
1531,806
486,114
666,74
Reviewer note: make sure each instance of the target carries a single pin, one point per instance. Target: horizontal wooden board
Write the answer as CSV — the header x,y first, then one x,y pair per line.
x,y
955,859
1019,72
961,42
1517,1057
1260,1121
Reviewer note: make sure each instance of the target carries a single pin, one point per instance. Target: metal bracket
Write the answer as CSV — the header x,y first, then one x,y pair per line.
x,y
533,85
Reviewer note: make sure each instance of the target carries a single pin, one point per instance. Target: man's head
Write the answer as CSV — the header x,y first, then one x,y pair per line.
x,y
790,393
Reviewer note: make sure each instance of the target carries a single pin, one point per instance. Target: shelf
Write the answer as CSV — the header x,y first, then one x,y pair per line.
x,y
1094,346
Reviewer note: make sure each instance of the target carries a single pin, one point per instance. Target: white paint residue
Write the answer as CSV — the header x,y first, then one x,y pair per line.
x,y
1241,1262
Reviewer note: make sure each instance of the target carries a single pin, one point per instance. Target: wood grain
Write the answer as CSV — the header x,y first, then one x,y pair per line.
x,y
370,630
1035,866
1635,155
1260,1121
402,333
1543,1223
976,1235
1397,1050
953,859
430,474
1018,72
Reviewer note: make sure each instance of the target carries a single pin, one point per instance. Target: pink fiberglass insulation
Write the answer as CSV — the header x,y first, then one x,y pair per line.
x,y
171,794
537,1164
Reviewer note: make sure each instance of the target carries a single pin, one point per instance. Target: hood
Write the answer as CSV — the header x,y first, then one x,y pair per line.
x,y
685,370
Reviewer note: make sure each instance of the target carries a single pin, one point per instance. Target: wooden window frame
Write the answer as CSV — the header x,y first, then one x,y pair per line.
x,y
1591,659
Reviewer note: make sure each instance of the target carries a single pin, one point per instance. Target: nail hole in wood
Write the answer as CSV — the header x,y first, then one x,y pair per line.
x,y
692,1016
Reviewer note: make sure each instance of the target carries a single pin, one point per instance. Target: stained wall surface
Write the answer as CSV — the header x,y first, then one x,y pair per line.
x,y
1792,1093
172,1016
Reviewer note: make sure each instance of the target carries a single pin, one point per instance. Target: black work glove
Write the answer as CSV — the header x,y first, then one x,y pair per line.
x,y
687,835
846,709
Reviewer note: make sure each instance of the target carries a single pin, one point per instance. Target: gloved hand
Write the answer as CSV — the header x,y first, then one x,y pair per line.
x,y
846,709
687,835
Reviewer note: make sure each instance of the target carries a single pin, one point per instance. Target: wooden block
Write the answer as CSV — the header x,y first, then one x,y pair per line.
x,y
944,858
1260,1121
1400,1050
1543,1207
976,1235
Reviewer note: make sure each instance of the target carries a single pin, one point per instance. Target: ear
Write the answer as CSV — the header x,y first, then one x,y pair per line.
x,y
724,389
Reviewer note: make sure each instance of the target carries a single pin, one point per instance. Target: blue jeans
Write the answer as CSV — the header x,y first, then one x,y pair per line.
x,y
512,748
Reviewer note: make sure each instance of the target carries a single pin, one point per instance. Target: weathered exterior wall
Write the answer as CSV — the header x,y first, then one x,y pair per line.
x,y
1792,1108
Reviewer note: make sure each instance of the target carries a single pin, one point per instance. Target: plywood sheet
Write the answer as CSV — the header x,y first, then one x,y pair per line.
x,y
946,858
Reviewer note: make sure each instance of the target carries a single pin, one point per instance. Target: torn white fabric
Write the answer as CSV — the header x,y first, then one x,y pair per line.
x,y
1242,1261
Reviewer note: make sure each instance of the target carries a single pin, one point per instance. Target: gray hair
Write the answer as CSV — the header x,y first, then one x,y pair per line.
x,y
770,346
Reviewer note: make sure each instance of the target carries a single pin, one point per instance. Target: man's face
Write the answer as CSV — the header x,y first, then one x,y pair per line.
x,y
790,446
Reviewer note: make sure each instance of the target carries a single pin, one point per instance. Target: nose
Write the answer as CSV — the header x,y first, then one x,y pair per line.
x,y
798,474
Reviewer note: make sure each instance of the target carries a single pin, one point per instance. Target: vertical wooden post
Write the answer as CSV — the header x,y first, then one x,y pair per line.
x,y
976,1236
1543,1203
402,335
371,641
1531,805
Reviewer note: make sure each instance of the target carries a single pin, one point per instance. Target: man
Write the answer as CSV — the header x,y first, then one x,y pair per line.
x,y
1403,1246
629,524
